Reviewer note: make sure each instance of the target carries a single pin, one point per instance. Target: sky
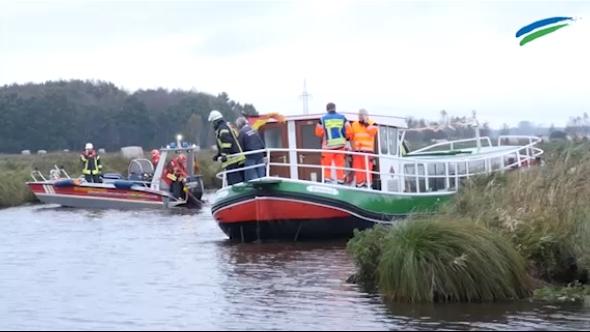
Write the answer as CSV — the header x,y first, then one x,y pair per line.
x,y
397,58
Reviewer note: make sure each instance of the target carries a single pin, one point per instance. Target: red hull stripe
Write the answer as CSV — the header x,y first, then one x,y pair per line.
x,y
94,192
271,209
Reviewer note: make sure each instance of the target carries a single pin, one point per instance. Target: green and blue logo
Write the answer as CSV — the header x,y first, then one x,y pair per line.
x,y
542,27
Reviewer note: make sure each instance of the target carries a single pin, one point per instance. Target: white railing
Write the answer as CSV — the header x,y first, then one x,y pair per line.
x,y
54,174
415,173
452,145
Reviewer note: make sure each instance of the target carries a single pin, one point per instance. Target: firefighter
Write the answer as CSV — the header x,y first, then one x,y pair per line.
x,y
92,166
175,176
334,130
363,140
229,151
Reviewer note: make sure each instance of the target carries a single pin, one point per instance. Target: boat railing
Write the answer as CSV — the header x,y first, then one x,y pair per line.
x,y
411,174
452,145
38,176
54,174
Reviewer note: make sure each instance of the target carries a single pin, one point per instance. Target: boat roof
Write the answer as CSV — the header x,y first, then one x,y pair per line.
x,y
385,120
181,149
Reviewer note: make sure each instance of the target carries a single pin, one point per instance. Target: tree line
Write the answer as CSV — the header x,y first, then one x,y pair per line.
x,y
59,115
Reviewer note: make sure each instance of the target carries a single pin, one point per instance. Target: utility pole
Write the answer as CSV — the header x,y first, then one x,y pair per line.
x,y
305,97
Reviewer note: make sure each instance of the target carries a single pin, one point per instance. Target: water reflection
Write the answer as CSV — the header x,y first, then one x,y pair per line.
x,y
108,269
293,285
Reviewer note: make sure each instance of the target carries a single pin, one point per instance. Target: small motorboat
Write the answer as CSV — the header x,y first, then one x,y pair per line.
x,y
141,189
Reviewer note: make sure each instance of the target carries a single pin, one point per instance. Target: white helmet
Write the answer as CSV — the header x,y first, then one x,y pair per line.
x,y
89,146
215,115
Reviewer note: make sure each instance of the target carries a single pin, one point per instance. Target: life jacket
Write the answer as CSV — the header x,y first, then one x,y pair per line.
x,y
363,136
169,175
334,129
175,171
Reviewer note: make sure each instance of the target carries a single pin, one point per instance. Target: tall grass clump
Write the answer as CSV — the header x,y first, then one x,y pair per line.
x,y
13,190
423,260
367,248
545,211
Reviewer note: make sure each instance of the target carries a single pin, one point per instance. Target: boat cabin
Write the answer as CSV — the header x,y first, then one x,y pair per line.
x,y
294,152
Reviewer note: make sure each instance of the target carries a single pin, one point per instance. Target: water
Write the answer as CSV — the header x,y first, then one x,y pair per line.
x,y
71,269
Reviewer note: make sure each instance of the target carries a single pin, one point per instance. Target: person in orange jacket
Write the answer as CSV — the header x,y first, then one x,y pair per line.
x,y
334,129
155,157
363,140
175,175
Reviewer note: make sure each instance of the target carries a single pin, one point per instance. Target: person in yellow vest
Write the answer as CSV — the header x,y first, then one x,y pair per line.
x,y
92,166
334,130
363,140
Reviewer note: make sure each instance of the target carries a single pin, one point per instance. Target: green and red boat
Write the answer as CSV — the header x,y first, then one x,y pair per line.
x,y
293,201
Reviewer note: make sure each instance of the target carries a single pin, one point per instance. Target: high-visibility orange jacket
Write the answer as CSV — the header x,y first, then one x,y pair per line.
x,y
363,136
175,170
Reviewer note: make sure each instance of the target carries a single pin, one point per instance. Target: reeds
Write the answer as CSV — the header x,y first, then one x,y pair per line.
x,y
482,244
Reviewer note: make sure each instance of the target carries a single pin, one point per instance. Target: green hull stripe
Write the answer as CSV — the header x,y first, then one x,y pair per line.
x,y
371,202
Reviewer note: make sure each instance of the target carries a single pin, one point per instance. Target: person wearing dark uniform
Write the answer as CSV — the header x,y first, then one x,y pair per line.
x,y
229,151
250,140
92,166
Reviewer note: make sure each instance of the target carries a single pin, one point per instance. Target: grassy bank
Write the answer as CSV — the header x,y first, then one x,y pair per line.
x,y
542,214
16,170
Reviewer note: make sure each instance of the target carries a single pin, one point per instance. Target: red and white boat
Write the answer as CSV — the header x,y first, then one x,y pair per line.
x,y
140,190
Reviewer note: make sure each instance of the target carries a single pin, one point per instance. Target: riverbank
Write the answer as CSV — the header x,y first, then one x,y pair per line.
x,y
542,213
16,170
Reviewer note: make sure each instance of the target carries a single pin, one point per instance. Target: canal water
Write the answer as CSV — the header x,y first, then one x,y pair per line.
x,y
71,269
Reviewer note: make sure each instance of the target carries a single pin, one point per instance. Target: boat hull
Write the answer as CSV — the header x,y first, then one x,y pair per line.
x,y
278,209
100,196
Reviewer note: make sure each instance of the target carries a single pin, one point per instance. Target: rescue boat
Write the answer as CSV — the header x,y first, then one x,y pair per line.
x,y
141,189
293,201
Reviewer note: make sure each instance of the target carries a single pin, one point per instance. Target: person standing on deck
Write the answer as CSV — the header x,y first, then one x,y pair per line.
x,y
227,145
250,140
363,140
334,129
92,166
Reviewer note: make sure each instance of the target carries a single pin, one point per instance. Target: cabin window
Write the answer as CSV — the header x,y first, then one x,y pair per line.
x,y
273,138
436,176
392,141
308,138
415,178
388,140
383,139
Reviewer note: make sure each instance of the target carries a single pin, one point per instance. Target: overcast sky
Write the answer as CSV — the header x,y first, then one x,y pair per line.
x,y
397,58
